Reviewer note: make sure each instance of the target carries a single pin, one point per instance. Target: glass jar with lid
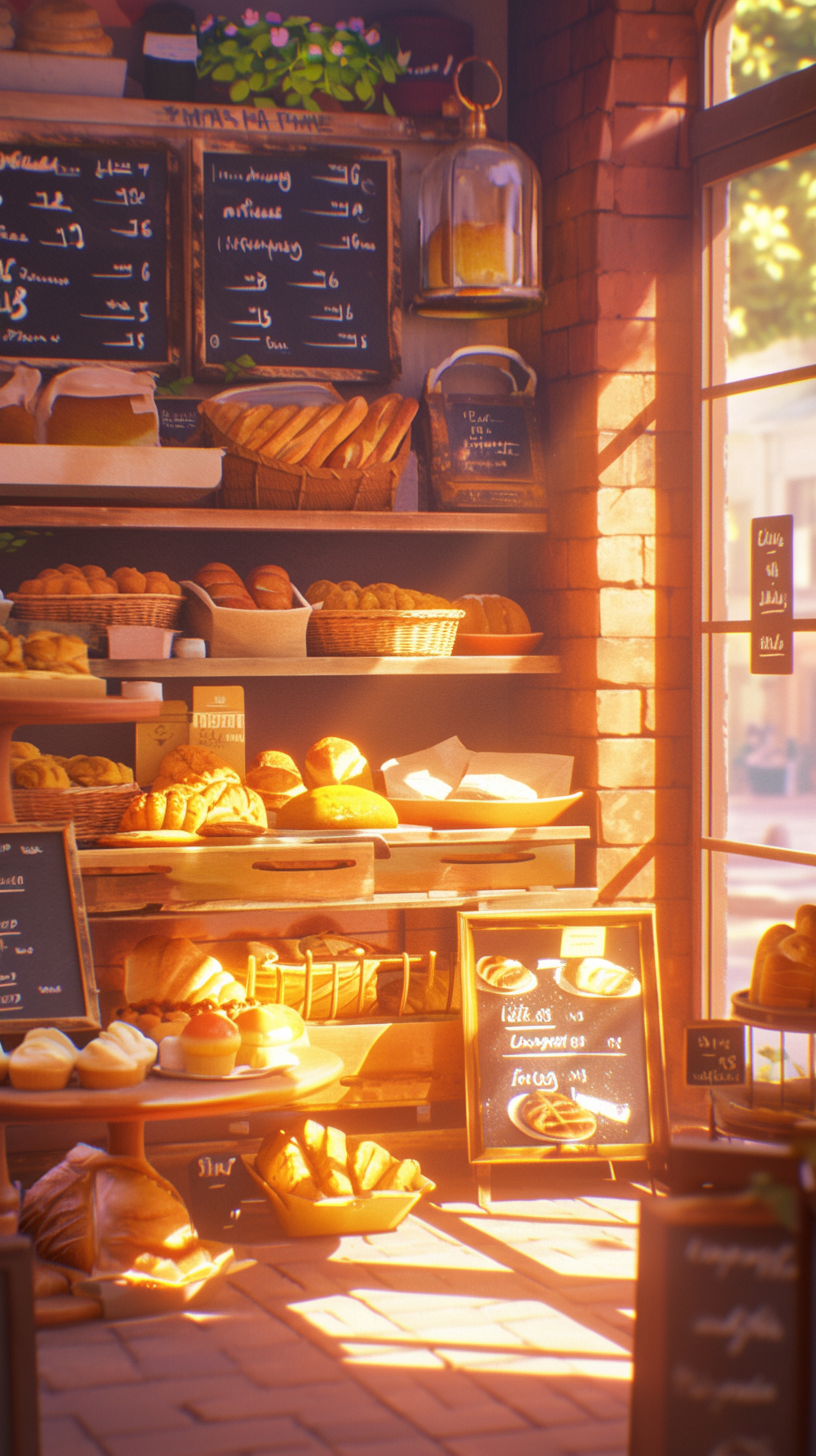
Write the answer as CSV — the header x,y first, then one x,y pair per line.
x,y
480,225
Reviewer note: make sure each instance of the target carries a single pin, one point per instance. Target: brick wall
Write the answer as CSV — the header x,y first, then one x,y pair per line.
x,y
600,95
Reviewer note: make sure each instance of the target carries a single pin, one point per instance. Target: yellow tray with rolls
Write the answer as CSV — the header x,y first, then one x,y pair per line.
x,y
365,1213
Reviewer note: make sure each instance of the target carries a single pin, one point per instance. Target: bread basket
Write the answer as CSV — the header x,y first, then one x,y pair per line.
x,y
127,609
360,633
92,811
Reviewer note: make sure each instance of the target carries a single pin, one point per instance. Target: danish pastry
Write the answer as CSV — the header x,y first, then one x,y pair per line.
x,y
555,1116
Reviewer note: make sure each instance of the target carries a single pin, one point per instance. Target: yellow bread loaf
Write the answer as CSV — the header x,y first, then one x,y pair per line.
x,y
337,806
785,983
487,612
336,761
768,941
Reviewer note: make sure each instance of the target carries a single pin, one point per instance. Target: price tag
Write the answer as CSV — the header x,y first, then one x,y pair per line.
x,y
715,1054
772,595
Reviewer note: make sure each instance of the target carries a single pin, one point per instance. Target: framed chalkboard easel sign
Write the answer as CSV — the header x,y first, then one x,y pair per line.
x,y
46,966
88,240
296,260
563,1041
721,1331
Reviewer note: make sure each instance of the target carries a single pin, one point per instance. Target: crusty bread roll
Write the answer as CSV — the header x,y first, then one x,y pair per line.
x,y
360,444
11,657
89,770
271,421
337,806
129,580
349,418
61,652
805,921
336,761
785,983
40,773
63,27
389,443
300,420
270,588
190,764
369,1163
276,777
487,612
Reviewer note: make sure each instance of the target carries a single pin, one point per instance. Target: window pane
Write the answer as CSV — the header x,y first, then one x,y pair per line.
x,y
760,893
770,306
770,38
771,736
767,466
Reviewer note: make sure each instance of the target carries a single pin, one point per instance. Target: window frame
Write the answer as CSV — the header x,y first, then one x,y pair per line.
x,y
727,138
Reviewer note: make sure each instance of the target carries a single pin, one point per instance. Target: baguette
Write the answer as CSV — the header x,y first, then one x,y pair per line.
x,y
390,442
347,421
221,415
357,448
298,421
275,420
245,424
298,448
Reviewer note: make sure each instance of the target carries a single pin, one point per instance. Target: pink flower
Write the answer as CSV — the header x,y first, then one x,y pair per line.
x,y
315,50
250,17
373,38
336,48
279,35
230,29
356,23
273,17
206,24
315,27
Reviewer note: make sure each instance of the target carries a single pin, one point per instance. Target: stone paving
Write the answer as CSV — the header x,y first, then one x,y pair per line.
x,y
463,1332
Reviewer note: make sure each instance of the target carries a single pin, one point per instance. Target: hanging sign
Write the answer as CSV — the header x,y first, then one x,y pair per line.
x,y
772,595
46,968
296,261
562,1035
85,254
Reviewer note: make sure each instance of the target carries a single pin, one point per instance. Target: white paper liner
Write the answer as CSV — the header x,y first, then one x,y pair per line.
x,y
448,770
98,382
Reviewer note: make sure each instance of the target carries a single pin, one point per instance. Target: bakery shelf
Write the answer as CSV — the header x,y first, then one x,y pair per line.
x,y
221,667
168,518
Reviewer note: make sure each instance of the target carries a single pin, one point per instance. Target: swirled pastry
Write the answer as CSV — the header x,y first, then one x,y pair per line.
x,y
558,1117
502,972
601,978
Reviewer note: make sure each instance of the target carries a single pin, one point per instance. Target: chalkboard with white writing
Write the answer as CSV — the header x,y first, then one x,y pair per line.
x,y
720,1331
488,439
296,261
715,1054
85,254
562,1035
46,969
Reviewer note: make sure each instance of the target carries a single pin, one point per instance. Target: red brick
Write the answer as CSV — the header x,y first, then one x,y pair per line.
x,y
553,159
669,712
626,512
559,247
549,19
599,89
642,82
632,870
555,354
578,614
668,562
673,872
622,398
586,241
572,404
657,35
582,343
627,295
617,559
583,563
618,711
587,295
683,86
590,139
679,612
626,762
643,244
575,193
551,58
653,191
673,395
626,660
626,816
673,460
569,100
645,136
626,345
562,304
630,612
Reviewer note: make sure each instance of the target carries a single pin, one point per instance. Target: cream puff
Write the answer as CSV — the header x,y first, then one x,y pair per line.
x,y
265,1037
106,1064
143,1048
41,1065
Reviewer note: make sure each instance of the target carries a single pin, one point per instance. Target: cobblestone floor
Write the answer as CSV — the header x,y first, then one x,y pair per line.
x,y
463,1332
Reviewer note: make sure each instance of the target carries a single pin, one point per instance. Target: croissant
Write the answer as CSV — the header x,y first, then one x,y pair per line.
x,y
56,652
177,809
96,770
189,763
11,651
40,773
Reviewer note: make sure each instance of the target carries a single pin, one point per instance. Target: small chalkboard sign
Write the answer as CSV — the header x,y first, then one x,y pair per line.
x,y
715,1054
19,1394
720,1357
296,261
85,251
562,1035
488,439
46,967
772,595
218,1182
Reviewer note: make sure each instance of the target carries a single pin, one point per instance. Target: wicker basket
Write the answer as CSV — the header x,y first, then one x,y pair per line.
x,y
132,610
382,634
92,811
249,483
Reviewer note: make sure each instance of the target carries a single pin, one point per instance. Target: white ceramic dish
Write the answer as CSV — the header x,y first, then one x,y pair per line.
x,y
514,1113
240,1074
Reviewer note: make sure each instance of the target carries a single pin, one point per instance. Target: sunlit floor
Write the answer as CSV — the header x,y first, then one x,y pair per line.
x,y
462,1332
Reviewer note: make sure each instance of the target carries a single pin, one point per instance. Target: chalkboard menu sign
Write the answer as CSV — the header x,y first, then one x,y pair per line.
x,y
715,1054
488,439
562,1035
772,595
46,969
719,1337
85,254
296,261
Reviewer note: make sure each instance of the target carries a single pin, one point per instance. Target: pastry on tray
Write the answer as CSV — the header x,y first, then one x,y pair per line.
x,y
555,1116
105,1063
266,1034
502,972
41,1064
210,1044
315,1162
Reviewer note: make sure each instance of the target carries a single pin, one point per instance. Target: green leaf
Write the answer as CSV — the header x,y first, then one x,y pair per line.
x,y
261,44
342,93
245,361
310,104
357,63
239,91
257,81
244,63
364,88
229,47
389,74
313,72
224,72
387,107
302,86
292,99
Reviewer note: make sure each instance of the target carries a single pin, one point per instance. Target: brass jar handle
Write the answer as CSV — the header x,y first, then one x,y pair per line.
x,y
476,125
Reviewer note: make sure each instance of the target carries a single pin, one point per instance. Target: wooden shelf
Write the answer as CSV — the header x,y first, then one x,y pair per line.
x,y
169,518
218,667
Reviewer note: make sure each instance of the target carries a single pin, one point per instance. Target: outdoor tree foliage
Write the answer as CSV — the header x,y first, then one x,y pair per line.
x,y
773,211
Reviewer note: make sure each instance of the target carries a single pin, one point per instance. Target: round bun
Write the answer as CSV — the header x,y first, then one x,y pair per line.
x,y
129,580
337,806
265,1026
94,573
210,1026
336,761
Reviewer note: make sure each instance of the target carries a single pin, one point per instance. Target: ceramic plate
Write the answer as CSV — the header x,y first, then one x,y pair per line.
x,y
482,813
241,1074
562,980
514,1113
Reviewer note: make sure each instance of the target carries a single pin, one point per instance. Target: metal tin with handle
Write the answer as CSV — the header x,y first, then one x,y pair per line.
x,y
482,438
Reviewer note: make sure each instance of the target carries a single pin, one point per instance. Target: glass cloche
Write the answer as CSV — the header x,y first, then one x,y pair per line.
x,y
480,225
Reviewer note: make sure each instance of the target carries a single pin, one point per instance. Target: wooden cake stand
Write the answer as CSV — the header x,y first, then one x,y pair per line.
x,y
127,1109
16,712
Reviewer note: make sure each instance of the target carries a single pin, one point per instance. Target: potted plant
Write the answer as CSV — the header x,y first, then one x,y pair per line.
x,y
298,62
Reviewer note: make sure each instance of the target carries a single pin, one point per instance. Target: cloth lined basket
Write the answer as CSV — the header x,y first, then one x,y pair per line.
x,y
92,811
127,609
383,633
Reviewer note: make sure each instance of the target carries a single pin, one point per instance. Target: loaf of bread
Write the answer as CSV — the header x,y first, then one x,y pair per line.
x,y
65,28
349,596
337,806
336,761
276,777
785,983
173,968
40,773
46,651
315,1162
349,418
96,405
390,441
489,613
359,445
337,435
11,652
193,765
270,588
90,771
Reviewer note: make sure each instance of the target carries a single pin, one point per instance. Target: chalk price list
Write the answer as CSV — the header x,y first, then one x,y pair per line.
x,y
40,974
488,440
83,255
295,261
